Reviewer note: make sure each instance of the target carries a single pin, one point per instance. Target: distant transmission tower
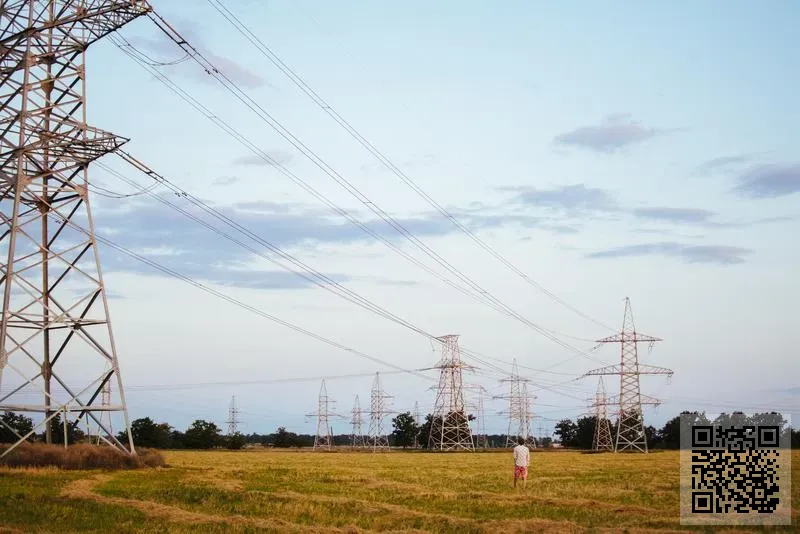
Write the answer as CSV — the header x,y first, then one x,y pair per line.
x,y
602,429
233,417
418,422
56,340
630,421
481,438
450,427
519,410
105,401
356,421
324,436
378,410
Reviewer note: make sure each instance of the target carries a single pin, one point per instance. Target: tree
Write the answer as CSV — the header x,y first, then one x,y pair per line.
x,y
405,429
235,441
584,433
285,439
202,435
425,431
20,423
652,436
146,433
566,431
74,434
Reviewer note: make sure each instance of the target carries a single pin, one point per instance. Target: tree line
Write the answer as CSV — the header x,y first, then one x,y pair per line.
x,y
406,433
580,434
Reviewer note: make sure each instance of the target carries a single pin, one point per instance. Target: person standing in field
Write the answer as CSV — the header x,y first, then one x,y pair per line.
x,y
522,457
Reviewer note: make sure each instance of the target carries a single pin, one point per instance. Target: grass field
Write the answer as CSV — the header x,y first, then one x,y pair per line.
x,y
288,491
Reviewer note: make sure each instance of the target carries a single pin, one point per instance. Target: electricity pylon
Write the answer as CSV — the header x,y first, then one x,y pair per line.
x,y
324,437
519,410
450,426
630,421
356,421
418,423
105,401
481,438
378,410
55,320
602,427
233,417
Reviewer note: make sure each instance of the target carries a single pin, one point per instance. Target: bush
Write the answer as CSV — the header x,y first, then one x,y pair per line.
x,y
80,456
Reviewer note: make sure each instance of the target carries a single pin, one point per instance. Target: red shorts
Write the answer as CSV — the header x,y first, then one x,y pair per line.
x,y
520,472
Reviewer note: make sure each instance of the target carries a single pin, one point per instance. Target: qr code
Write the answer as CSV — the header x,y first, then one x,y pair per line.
x,y
735,470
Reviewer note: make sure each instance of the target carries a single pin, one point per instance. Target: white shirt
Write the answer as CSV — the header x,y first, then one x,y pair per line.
x,y
521,456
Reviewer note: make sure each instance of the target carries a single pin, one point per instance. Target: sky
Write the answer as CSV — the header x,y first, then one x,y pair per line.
x,y
605,151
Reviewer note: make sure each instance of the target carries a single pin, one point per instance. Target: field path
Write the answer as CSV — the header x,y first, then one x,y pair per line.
x,y
84,489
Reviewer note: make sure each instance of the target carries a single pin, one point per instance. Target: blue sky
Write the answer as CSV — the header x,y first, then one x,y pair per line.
x,y
607,151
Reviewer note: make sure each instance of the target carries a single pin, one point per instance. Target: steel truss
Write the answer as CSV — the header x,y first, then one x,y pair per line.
x,y
56,340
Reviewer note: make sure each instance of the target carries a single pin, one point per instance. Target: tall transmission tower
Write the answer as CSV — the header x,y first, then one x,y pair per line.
x,y
630,421
602,430
378,410
55,320
233,417
324,437
450,426
356,421
519,410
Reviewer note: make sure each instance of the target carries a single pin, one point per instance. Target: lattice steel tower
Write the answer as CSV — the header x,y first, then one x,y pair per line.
x,y
519,410
450,426
378,410
324,437
418,422
602,427
356,421
481,438
233,417
55,333
630,421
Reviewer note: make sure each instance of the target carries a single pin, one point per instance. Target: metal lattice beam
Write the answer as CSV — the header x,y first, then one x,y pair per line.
x,y
450,426
55,325
630,420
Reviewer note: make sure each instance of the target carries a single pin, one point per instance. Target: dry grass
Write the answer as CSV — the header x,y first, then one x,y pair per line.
x,y
81,456
294,491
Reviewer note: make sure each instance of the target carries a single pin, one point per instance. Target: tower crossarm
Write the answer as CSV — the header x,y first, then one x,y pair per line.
x,y
82,23
73,145
629,337
645,399
654,370
608,370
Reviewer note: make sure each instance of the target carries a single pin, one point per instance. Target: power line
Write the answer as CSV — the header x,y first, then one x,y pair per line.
x,y
232,87
318,278
232,300
328,109
259,152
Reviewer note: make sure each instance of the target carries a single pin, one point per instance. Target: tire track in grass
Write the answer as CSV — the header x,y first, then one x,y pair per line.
x,y
84,489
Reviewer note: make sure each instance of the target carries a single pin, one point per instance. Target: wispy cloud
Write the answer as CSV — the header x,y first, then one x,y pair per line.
x,y
716,254
613,133
169,53
681,215
225,180
183,245
274,158
725,163
572,198
769,181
